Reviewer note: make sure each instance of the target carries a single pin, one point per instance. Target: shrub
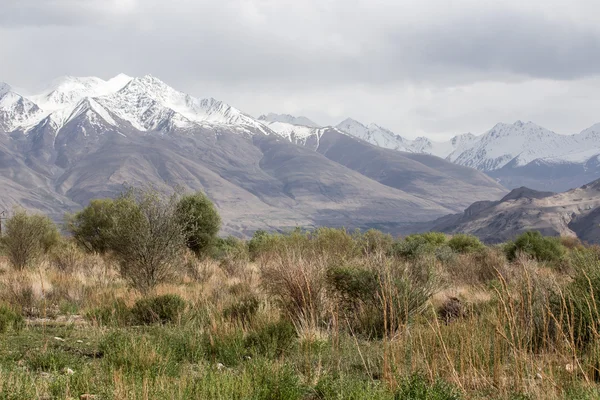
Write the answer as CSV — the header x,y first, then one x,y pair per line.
x,y
243,310
465,244
201,222
297,284
419,244
146,237
379,297
353,286
273,339
375,242
534,244
90,227
27,237
233,256
9,318
160,309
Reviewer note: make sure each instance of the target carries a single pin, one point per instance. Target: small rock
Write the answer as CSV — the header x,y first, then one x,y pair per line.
x,y
569,368
220,367
68,371
538,376
80,341
59,339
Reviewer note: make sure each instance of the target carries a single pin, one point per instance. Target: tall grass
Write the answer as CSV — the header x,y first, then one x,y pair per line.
x,y
319,315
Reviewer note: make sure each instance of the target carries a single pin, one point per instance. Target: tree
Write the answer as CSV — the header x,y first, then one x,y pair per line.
x,y
27,237
146,236
201,222
90,227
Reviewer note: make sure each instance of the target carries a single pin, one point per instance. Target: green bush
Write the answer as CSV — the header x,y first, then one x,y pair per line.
x,y
534,244
201,221
9,318
375,242
243,310
416,387
91,226
272,340
360,292
353,286
160,309
27,237
465,244
419,244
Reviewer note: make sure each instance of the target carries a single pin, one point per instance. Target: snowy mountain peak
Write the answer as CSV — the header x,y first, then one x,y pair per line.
x,y
288,119
15,110
4,88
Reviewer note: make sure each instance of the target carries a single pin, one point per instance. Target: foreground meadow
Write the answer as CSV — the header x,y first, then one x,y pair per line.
x,y
321,315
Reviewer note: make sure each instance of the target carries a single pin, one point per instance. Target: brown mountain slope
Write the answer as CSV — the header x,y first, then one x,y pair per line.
x,y
575,213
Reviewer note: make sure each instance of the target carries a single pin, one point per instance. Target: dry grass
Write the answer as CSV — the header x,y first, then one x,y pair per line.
x,y
510,340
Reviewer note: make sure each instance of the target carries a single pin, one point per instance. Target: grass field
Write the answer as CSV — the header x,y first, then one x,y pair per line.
x,y
327,315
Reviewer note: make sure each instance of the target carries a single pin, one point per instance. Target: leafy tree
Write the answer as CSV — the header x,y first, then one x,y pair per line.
x,y
201,222
27,237
90,227
146,236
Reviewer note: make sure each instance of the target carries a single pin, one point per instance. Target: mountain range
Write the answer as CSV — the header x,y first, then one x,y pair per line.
x,y
519,154
85,137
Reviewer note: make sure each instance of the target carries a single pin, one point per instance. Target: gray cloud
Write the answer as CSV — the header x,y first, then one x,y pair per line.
x,y
396,54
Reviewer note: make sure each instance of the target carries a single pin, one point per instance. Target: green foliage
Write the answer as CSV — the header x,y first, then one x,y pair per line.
x,y
91,226
375,242
27,237
160,309
243,310
201,221
534,244
465,244
419,244
378,299
353,286
52,360
10,319
146,237
416,387
272,339
115,314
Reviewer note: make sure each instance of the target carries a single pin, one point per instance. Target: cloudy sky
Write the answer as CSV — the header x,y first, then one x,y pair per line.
x,y
418,67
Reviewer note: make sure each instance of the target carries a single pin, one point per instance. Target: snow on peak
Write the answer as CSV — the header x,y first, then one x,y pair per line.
x,y
15,110
150,104
4,88
288,119
375,134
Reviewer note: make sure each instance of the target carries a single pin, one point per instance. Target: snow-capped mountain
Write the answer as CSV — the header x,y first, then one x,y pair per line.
x,y
146,103
15,110
376,135
519,144
288,119
387,139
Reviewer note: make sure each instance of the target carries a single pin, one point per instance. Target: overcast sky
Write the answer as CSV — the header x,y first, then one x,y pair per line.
x,y
419,67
